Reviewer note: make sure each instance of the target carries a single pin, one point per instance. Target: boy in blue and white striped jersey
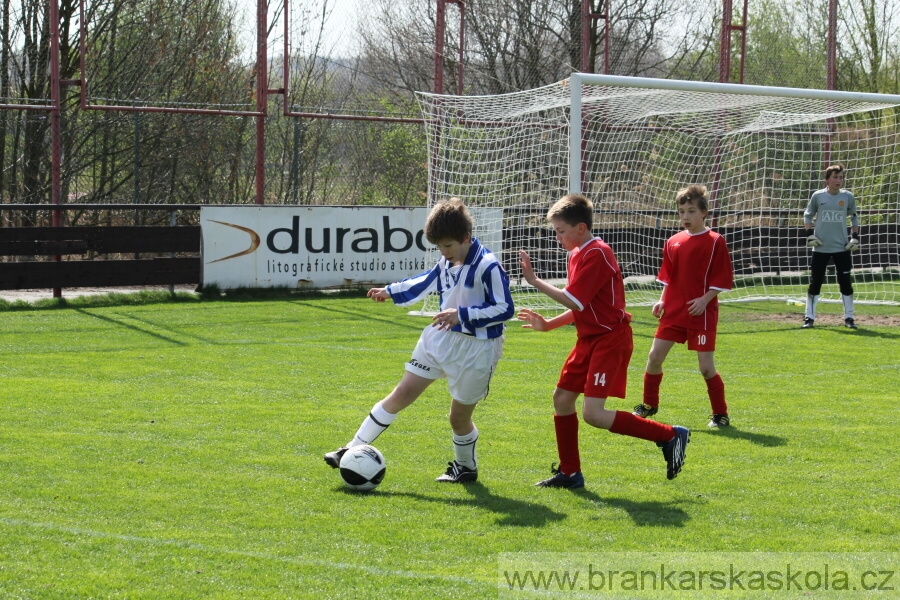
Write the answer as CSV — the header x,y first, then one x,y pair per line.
x,y
463,343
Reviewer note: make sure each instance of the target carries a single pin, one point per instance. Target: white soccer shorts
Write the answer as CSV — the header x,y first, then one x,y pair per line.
x,y
465,361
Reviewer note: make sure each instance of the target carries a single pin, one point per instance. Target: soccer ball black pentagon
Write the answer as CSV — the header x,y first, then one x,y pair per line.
x,y
362,468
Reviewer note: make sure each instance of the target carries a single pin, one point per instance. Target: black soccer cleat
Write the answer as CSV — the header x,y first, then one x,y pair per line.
x,y
674,451
456,473
717,421
333,459
561,480
645,410
849,323
808,323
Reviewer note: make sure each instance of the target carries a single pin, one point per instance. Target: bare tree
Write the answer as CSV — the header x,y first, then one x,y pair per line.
x,y
869,50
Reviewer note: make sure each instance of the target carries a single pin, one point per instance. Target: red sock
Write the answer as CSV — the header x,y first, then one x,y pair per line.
x,y
567,443
651,389
626,423
715,387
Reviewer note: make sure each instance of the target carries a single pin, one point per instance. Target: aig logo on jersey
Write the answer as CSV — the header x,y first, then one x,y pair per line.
x,y
833,216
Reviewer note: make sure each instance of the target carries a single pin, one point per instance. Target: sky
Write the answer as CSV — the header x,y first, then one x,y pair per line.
x,y
342,20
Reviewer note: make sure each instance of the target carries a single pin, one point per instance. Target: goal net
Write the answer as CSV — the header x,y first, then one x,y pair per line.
x,y
630,144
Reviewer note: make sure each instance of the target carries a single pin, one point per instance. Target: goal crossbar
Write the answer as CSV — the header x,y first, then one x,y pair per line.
x,y
577,80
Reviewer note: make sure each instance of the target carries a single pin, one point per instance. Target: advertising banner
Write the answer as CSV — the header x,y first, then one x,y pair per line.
x,y
321,246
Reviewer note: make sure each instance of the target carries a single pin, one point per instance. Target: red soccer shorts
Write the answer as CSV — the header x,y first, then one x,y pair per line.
x,y
598,365
698,340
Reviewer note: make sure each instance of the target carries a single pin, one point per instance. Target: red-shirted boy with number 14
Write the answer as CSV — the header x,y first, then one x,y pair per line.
x,y
598,364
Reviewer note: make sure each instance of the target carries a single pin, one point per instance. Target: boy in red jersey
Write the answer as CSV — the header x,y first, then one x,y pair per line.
x,y
598,364
696,267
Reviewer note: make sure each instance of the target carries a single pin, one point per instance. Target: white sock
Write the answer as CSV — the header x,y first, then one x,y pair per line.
x,y
464,448
848,306
372,426
811,302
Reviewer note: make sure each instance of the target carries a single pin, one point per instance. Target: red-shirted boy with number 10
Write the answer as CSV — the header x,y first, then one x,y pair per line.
x,y
696,268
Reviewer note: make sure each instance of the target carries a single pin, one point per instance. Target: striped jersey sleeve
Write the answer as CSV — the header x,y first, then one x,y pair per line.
x,y
478,289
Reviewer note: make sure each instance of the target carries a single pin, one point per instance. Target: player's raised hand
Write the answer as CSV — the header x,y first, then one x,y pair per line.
x,y
532,320
378,294
527,269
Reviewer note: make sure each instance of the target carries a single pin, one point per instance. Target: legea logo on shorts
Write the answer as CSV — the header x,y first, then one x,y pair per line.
x,y
418,365
328,240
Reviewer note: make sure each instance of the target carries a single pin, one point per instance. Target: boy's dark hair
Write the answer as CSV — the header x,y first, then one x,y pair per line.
x,y
694,193
448,220
573,209
832,169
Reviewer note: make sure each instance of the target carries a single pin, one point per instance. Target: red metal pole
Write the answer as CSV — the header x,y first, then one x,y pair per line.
x,y
725,43
262,89
286,73
831,75
439,27
606,34
585,36
462,39
587,19
82,48
743,29
831,71
55,124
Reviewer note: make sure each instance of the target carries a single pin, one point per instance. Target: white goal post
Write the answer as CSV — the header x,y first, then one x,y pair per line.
x,y
630,143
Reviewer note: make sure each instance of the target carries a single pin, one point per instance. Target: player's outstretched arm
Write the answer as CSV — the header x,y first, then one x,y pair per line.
x,y
532,320
537,322
542,286
378,294
527,269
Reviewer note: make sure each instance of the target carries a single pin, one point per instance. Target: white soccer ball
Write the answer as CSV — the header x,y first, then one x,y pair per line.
x,y
362,468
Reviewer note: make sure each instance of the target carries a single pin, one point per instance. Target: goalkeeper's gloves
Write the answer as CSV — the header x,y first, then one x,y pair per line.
x,y
853,244
812,241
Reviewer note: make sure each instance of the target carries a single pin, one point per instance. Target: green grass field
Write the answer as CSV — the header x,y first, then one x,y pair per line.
x,y
174,450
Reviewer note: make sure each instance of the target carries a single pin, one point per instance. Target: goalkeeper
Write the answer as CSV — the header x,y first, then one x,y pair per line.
x,y
825,221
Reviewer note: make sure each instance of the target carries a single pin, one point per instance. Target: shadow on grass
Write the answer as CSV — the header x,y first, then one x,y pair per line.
x,y
653,513
417,325
120,323
861,332
760,439
512,513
